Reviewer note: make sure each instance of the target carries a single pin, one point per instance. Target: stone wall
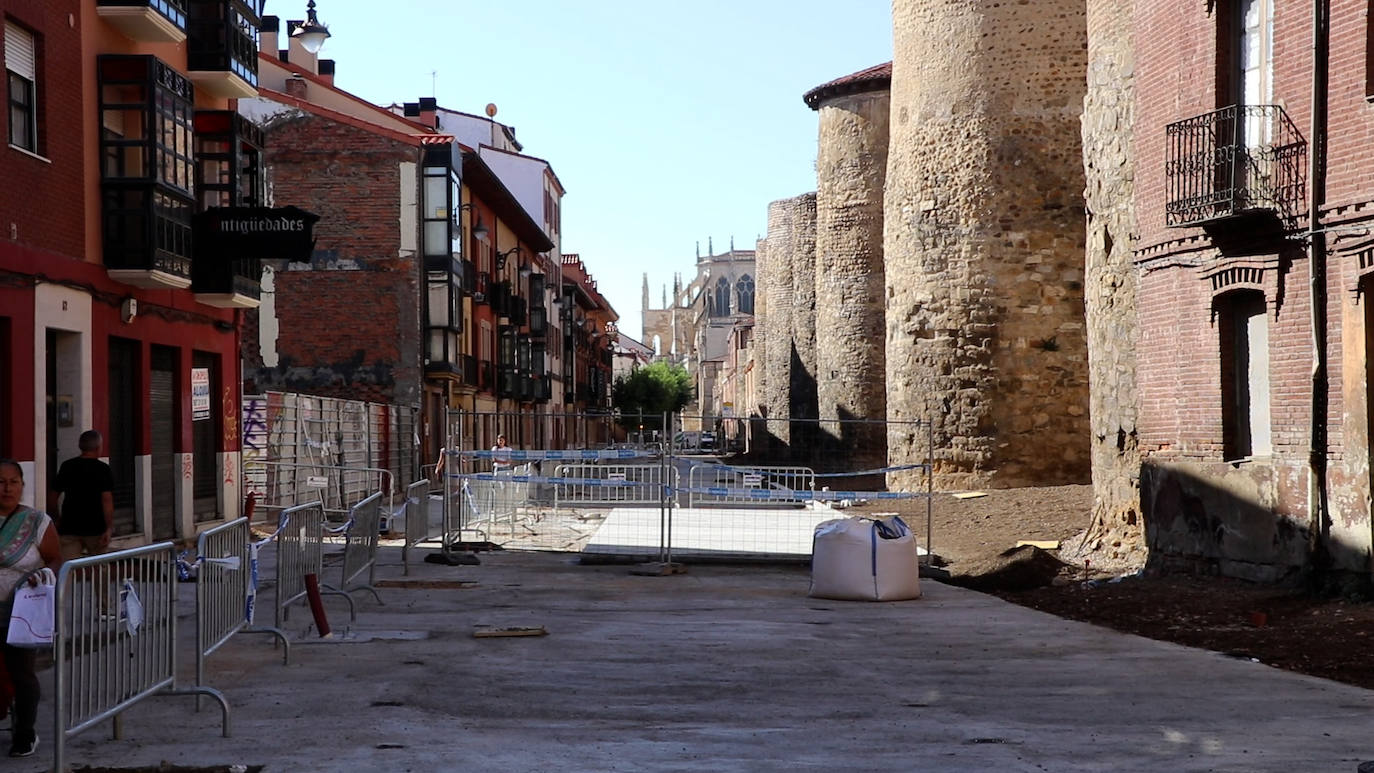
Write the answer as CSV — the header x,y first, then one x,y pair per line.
x,y
1116,536
984,241
788,316
800,251
851,167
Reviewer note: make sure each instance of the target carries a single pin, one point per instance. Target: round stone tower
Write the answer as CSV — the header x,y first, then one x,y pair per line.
x,y
801,253
1116,536
984,242
776,318
851,165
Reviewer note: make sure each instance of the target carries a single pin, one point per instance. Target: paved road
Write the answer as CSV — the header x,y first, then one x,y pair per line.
x,y
730,669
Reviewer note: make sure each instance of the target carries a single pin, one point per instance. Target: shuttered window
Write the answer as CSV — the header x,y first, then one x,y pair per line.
x,y
21,76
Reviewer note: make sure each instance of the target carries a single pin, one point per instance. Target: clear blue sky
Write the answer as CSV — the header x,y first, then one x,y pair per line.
x,y
668,122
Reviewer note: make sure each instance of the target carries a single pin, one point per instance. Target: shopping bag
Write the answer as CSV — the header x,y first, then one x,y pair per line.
x,y
31,621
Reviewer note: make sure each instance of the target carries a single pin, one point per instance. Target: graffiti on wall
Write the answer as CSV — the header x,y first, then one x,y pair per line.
x,y
255,437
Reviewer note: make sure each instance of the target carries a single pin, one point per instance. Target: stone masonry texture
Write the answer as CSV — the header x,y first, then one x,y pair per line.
x,y
851,167
777,319
800,250
984,241
1116,535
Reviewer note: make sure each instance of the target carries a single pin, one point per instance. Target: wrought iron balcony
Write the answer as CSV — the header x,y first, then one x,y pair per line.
x,y
222,47
146,21
1233,162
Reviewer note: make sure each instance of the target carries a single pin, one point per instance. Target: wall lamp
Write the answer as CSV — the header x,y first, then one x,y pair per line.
x,y
479,229
501,257
311,34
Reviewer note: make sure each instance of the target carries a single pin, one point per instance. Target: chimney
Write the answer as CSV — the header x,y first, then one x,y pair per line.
x,y
429,107
296,87
267,34
327,71
299,56
411,110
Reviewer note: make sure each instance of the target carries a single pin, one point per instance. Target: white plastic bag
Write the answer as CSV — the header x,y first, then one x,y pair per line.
x,y
31,621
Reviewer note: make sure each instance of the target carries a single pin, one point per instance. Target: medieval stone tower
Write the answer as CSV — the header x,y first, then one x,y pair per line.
x,y
984,241
787,270
1116,534
851,166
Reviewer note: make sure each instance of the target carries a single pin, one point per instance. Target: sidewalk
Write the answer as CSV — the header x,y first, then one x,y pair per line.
x,y
724,668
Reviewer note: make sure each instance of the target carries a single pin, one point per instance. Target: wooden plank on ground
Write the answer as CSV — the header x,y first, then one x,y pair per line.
x,y
491,632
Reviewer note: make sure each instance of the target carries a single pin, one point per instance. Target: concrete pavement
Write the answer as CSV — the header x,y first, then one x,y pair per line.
x,y
725,668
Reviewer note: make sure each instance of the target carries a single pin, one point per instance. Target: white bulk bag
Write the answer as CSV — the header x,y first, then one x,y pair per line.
x,y
861,559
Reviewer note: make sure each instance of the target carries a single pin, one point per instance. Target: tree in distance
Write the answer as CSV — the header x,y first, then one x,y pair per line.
x,y
649,392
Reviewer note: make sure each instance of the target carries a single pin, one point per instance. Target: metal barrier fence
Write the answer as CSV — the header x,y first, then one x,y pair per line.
x,y
324,484
487,500
115,640
326,437
360,535
226,587
612,484
421,524
718,484
300,551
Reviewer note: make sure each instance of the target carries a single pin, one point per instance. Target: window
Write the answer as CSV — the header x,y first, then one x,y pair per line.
x,y
147,173
21,71
744,289
721,307
228,160
1255,67
1244,332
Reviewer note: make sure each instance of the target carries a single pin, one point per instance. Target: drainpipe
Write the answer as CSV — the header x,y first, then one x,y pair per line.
x,y
1317,495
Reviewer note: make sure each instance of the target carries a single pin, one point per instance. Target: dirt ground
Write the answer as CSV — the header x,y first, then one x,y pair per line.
x,y
1282,627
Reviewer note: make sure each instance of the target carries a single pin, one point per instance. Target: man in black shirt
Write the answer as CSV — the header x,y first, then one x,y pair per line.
x,y
85,513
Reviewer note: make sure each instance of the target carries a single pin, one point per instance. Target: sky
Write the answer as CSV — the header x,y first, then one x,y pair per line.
x,y
668,123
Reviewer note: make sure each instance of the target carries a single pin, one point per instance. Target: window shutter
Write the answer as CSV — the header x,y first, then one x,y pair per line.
x,y
19,55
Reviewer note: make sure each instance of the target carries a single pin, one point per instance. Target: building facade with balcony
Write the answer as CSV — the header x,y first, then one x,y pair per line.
x,y
125,174
374,309
589,332
1253,262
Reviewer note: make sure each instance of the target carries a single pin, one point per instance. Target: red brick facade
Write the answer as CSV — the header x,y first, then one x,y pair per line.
x,y
83,348
1304,503
364,342
40,197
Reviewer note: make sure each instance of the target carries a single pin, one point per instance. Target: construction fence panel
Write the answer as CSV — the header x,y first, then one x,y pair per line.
x,y
711,484
424,519
609,485
115,640
360,546
300,552
226,588
303,448
762,504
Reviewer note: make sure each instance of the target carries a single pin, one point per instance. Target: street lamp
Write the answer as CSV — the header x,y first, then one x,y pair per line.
x,y
312,33
479,230
501,257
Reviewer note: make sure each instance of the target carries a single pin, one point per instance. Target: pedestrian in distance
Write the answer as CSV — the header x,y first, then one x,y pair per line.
x,y
82,500
27,544
500,455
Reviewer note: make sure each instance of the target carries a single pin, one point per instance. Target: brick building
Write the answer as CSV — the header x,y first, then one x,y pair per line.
x,y
121,276
1253,264
450,248
589,333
